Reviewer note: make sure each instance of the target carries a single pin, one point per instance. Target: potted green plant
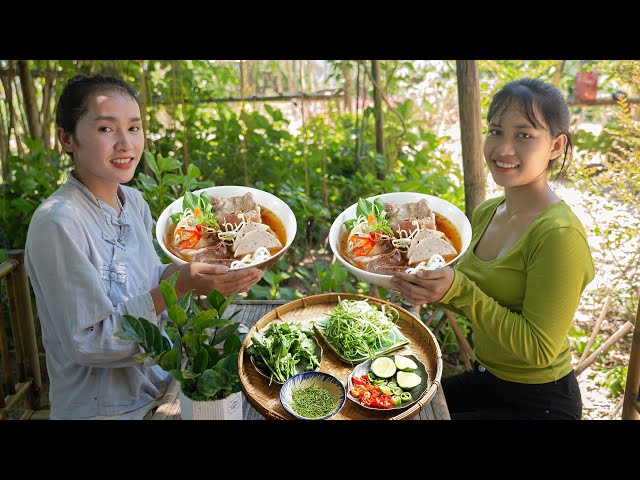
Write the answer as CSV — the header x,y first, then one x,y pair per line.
x,y
201,351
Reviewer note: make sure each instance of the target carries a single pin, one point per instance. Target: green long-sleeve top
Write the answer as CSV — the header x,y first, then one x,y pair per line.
x,y
521,304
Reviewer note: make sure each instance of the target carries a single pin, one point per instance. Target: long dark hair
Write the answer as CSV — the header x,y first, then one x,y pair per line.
x,y
530,93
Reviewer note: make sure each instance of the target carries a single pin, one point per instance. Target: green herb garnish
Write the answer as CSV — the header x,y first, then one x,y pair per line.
x,y
192,205
370,217
312,401
357,328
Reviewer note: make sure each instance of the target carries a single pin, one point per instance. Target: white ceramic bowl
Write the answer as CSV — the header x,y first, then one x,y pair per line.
x,y
323,380
266,199
438,205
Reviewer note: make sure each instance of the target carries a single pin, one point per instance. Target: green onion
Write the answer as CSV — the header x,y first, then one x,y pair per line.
x,y
359,329
312,401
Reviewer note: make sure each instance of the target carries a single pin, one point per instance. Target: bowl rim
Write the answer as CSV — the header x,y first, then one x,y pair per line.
x,y
312,374
178,261
383,278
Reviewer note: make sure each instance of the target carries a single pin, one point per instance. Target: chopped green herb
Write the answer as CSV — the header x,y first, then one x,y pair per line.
x,y
312,401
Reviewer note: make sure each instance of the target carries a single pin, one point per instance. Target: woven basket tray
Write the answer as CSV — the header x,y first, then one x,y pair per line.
x,y
266,398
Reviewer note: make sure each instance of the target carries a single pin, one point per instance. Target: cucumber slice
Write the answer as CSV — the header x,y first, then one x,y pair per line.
x,y
383,367
405,364
408,380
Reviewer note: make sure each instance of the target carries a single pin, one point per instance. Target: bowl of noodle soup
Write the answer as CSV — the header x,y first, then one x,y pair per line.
x,y
276,218
447,219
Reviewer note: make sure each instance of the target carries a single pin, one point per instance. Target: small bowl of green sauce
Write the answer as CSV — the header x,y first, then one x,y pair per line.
x,y
313,396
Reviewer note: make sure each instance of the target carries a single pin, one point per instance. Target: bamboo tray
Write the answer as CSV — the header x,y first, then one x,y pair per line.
x,y
265,398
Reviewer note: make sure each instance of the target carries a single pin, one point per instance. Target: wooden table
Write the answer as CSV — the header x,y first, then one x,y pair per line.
x,y
251,312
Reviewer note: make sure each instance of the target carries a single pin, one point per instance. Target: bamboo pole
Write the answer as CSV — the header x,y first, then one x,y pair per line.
x,y
185,145
14,314
599,102
307,183
27,327
379,115
631,404
596,329
464,344
12,400
29,99
7,380
470,134
621,332
244,82
432,316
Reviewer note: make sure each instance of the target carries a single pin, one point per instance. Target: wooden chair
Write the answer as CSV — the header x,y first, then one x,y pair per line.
x,y
631,401
22,383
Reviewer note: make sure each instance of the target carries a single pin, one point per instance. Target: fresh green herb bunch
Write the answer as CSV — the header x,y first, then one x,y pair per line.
x,y
370,217
198,206
191,357
358,328
282,347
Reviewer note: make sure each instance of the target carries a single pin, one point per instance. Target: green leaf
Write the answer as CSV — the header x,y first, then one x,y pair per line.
x,y
170,179
152,163
168,293
189,201
193,171
232,343
185,301
200,321
169,360
177,314
228,363
222,334
211,382
201,361
177,374
216,300
146,181
129,332
152,335
214,355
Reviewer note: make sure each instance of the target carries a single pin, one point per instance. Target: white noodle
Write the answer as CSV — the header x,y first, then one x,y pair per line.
x,y
436,261
260,255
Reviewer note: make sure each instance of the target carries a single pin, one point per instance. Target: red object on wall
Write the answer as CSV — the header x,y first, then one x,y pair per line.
x,y
586,86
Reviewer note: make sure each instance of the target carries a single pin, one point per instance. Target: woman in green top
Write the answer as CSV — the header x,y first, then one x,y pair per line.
x,y
521,279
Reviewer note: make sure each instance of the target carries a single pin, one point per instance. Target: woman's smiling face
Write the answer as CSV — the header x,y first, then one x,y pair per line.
x,y
516,151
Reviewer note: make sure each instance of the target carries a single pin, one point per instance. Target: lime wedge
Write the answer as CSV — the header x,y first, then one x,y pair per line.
x,y
383,367
405,364
408,380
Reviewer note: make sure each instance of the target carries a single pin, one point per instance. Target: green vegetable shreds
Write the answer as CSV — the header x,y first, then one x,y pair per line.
x,y
312,401
358,328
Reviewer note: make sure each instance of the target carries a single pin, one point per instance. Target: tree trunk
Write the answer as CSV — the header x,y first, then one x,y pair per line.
x,y
244,74
29,98
304,136
357,149
143,110
49,80
4,149
632,386
185,145
348,93
557,74
377,108
470,134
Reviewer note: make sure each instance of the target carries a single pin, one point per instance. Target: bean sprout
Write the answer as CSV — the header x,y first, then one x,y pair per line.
x,y
436,261
260,255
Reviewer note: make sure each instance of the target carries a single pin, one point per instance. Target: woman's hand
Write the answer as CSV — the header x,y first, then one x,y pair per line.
x,y
426,286
205,277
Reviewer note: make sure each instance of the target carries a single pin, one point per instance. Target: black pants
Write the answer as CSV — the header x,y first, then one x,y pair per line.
x,y
479,395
